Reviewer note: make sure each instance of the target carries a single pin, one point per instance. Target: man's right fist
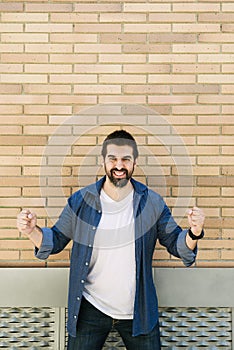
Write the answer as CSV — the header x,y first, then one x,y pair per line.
x,y
26,222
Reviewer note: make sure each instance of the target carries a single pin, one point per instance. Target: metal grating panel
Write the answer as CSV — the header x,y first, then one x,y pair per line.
x,y
195,328
27,328
189,328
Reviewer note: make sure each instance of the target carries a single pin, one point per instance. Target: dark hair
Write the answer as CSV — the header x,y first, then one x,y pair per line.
x,y
120,138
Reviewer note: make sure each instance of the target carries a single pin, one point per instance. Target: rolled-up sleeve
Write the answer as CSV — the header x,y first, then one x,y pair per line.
x,y
46,246
187,255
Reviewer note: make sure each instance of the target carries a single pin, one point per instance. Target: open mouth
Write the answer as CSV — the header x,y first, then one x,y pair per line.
x,y
119,173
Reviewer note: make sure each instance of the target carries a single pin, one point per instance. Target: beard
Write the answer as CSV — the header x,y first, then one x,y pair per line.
x,y
119,182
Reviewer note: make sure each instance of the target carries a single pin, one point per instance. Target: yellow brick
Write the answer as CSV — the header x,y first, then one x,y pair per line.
x,y
24,17
221,160
48,28
173,38
217,38
23,120
23,78
227,150
123,58
9,255
122,17
122,78
11,6
196,7
172,58
122,99
48,68
10,192
123,38
195,68
220,58
25,38
146,68
97,28
146,48
97,89
22,202
196,109
94,7
172,17
48,48
23,99
68,38
73,58
10,89
11,68
10,150
196,28
8,171
74,17
146,7
183,99
24,58
46,130
227,109
11,109
98,48
46,7
196,48
216,17
10,28
22,140
73,99
171,78
34,109
215,140
147,28
73,78
46,89
97,68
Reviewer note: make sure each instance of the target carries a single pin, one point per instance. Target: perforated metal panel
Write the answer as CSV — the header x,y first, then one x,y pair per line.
x,y
189,328
27,328
195,328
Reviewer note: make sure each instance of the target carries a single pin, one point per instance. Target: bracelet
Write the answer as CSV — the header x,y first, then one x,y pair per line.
x,y
194,237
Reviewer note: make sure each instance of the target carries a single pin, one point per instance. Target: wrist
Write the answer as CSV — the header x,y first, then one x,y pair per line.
x,y
194,236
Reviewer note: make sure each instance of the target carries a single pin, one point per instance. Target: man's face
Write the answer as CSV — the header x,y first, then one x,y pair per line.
x,y
119,164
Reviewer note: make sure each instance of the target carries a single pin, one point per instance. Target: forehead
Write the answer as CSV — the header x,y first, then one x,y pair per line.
x,y
119,151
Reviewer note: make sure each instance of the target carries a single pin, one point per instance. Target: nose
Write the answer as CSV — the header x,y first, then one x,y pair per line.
x,y
119,164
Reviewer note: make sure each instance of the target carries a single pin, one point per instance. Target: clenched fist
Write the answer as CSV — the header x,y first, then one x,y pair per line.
x,y
26,222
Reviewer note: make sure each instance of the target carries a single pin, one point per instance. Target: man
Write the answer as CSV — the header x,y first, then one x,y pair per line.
x,y
114,225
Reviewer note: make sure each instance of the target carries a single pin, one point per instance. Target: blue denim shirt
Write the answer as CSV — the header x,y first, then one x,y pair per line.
x,y
78,222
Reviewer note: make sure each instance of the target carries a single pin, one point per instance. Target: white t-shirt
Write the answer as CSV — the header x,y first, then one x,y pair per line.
x,y
111,282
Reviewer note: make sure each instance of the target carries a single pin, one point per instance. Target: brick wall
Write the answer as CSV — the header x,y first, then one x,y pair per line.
x,y
60,59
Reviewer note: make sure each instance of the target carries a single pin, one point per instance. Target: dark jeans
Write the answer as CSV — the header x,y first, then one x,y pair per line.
x,y
93,327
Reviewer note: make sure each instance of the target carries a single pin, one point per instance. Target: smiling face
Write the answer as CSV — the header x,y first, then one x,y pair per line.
x,y
119,164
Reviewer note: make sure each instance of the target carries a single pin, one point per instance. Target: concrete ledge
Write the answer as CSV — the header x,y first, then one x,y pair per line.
x,y
180,287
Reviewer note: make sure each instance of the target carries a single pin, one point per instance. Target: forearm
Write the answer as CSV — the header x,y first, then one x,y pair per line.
x,y
36,237
191,240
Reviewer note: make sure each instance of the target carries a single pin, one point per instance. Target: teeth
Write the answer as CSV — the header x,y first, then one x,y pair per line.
x,y
119,173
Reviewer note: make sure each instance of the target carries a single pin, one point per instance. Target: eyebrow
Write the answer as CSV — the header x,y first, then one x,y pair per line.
x,y
113,156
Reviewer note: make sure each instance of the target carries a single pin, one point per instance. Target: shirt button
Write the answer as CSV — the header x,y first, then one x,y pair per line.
x,y
75,317
99,211
94,228
86,263
82,281
78,298
90,245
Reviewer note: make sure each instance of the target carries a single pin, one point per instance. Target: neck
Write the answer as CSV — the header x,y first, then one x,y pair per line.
x,y
117,193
